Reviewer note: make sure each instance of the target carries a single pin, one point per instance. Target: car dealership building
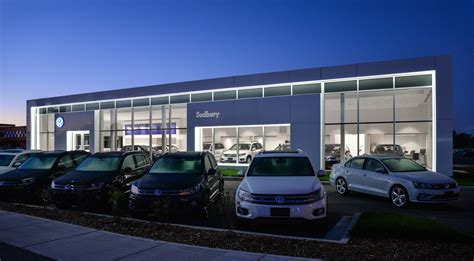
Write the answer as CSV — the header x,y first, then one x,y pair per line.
x,y
354,108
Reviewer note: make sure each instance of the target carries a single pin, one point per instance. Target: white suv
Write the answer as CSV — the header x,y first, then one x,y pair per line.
x,y
217,149
247,151
12,159
281,185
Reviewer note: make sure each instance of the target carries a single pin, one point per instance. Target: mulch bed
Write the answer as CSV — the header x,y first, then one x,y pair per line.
x,y
358,248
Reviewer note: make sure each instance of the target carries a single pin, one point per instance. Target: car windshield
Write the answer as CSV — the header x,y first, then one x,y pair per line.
x,y
402,165
99,164
207,146
281,166
177,165
39,163
241,147
6,159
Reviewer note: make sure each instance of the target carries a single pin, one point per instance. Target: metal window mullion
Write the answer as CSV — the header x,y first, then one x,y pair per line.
x,y
394,114
237,159
358,120
133,129
169,124
150,119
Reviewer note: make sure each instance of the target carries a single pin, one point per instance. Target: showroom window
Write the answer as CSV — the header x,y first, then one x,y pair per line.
x,y
379,118
239,144
46,131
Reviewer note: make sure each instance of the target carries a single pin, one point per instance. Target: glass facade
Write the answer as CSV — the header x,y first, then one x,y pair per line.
x,y
372,115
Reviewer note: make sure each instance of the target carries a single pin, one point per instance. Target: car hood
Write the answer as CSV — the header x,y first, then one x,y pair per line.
x,y
169,181
234,151
84,178
19,174
429,177
280,185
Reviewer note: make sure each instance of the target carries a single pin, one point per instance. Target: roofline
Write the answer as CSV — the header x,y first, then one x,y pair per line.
x,y
306,74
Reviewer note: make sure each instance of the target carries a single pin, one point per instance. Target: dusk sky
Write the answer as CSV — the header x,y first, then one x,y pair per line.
x,y
52,48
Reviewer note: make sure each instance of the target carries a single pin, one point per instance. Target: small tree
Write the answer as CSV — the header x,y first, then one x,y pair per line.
x,y
119,202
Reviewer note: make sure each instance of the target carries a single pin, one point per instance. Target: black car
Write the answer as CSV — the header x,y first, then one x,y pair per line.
x,y
30,179
90,183
186,180
333,154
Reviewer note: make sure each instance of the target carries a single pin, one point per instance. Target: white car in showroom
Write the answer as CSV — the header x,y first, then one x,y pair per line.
x,y
246,149
400,179
281,184
217,149
12,159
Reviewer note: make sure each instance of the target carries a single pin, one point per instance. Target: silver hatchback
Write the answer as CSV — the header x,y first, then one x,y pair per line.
x,y
399,179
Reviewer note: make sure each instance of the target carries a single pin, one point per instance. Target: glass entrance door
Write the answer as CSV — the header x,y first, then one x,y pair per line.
x,y
78,140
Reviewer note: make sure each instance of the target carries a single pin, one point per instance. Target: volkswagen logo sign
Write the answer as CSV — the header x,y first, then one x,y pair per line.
x,y
279,199
446,186
157,192
59,122
68,187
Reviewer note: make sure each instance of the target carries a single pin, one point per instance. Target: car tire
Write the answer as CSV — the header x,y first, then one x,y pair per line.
x,y
341,186
399,196
249,158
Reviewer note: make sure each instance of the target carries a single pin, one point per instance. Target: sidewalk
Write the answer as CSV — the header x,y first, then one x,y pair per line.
x,y
64,241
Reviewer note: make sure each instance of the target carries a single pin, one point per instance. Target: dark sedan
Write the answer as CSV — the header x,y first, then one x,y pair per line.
x,y
186,180
90,183
35,175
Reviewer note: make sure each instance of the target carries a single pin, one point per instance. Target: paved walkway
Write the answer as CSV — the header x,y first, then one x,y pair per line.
x,y
64,241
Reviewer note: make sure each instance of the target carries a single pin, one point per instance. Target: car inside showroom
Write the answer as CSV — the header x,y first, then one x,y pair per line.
x,y
399,107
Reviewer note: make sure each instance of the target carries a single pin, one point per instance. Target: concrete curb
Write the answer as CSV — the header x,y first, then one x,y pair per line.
x,y
345,239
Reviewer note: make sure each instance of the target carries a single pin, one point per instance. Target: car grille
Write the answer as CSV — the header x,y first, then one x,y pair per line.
x,y
70,187
230,155
270,199
152,192
444,186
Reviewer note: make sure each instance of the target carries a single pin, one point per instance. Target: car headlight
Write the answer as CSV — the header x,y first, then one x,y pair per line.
x,y
134,189
99,185
27,181
316,195
53,184
189,191
422,185
244,195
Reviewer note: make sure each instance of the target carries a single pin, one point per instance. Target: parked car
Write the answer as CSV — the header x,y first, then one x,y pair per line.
x,y
333,154
247,151
217,149
90,183
388,149
154,153
188,180
12,159
399,179
173,148
32,177
283,147
281,185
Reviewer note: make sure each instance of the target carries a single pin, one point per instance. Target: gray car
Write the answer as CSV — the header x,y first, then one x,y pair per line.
x,y
399,179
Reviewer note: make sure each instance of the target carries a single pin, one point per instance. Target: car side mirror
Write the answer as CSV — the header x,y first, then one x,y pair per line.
x,y
127,170
321,173
211,172
240,173
380,170
17,164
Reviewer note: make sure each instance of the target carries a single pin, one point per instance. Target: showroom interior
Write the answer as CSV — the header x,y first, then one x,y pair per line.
x,y
401,107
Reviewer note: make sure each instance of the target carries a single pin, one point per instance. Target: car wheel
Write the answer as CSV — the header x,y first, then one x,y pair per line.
x,y
399,196
341,186
248,159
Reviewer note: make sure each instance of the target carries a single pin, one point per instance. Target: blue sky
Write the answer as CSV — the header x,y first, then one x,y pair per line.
x,y
59,47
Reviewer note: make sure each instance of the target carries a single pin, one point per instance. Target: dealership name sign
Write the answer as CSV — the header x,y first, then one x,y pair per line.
x,y
207,114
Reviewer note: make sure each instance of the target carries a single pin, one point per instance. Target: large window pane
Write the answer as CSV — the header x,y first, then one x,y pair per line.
x,y
107,119
124,128
200,97
415,138
277,137
413,104
141,126
277,91
376,106
227,137
337,102
250,93
306,88
372,84
224,95
373,135
413,81
345,86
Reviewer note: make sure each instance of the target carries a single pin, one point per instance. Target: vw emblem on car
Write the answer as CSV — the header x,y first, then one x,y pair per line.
x,y
157,192
446,186
68,187
279,199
